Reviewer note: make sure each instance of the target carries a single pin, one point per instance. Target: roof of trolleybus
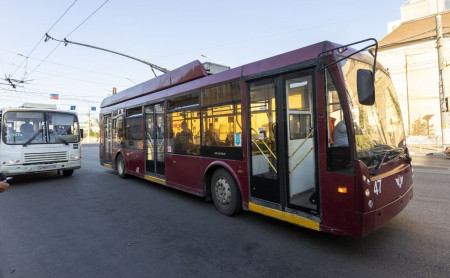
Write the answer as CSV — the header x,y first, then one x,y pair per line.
x,y
193,75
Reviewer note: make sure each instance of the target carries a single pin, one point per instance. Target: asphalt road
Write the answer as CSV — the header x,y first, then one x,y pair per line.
x,y
94,224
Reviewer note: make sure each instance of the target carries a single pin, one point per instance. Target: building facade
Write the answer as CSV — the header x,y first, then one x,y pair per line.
x,y
410,54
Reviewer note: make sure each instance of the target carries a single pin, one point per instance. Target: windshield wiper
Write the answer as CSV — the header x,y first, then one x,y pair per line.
x,y
33,137
60,138
393,153
378,166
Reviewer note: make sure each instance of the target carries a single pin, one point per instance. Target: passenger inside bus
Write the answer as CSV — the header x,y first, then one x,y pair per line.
x,y
340,138
230,140
27,130
63,130
183,139
211,137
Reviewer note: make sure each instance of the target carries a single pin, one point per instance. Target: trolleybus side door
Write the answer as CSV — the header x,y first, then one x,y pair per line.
x,y
154,138
282,142
107,139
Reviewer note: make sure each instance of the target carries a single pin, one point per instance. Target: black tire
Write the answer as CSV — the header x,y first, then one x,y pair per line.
x,y
225,193
67,173
120,166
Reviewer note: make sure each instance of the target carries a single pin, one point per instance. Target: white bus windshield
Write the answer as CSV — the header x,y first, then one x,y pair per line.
x,y
38,127
379,127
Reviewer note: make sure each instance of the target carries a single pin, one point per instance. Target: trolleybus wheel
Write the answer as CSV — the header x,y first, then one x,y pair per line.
x,y
120,164
67,173
225,193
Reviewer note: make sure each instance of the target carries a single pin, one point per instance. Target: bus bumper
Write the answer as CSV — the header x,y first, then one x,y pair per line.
x,y
362,224
15,170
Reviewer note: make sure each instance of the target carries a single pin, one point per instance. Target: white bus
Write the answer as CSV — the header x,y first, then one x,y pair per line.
x,y
39,138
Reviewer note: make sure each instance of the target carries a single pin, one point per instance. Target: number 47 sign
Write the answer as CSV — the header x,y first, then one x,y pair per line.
x,y
377,187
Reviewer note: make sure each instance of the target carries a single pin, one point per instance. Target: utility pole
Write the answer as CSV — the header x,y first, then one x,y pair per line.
x,y
89,124
407,93
445,117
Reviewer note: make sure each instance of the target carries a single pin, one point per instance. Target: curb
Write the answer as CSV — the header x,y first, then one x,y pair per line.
x,y
435,154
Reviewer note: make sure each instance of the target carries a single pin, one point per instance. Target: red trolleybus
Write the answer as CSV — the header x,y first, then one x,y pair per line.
x,y
314,137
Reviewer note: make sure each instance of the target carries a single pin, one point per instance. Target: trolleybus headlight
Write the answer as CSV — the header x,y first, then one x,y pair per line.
x,y
370,204
11,161
367,192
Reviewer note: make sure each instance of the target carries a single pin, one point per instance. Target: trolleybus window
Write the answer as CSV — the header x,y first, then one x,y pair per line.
x,y
208,128
117,134
263,130
338,151
133,128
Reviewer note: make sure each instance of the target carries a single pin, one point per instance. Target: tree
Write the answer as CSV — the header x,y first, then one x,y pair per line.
x,y
422,126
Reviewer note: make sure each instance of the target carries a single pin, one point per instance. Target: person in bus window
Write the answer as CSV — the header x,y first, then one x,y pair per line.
x,y
340,138
27,130
211,138
183,139
230,140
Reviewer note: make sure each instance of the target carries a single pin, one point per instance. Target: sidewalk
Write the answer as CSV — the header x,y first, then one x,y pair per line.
x,y
426,150
90,140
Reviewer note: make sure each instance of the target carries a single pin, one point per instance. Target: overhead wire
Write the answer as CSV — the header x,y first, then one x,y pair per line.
x,y
106,82
87,18
68,36
45,94
77,68
34,48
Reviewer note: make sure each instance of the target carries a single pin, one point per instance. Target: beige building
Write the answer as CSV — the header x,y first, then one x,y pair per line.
x,y
410,54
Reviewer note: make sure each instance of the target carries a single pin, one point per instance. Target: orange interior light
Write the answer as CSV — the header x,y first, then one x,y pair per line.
x,y
342,189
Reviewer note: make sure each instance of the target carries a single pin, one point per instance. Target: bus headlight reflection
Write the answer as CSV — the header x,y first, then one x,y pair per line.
x,y
370,204
367,192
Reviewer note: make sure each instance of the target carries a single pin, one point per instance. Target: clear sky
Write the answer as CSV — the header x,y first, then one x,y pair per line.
x,y
166,33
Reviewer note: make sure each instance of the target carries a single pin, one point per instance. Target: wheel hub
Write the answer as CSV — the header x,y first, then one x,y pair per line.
x,y
223,191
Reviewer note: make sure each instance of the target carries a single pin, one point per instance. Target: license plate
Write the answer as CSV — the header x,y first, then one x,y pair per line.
x,y
46,167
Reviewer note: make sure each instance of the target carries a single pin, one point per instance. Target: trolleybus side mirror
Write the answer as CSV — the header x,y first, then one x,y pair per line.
x,y
365,85
82,133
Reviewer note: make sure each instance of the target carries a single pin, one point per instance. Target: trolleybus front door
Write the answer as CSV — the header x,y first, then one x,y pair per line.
x,y
283,157
154,138
301,166
107,122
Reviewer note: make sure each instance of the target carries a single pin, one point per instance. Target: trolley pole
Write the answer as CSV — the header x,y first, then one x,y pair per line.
x,y
443,100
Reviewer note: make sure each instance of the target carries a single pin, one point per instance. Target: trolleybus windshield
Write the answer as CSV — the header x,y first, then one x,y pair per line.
x,y
378,128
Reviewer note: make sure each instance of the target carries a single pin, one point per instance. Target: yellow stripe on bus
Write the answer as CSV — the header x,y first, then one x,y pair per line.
x,y
285,216
107,165
157,180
